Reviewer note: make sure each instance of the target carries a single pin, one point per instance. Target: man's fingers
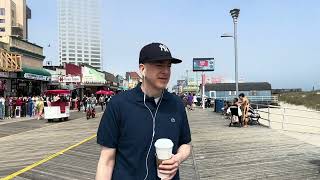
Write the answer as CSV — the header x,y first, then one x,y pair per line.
x,y
168,167
169,172
168,162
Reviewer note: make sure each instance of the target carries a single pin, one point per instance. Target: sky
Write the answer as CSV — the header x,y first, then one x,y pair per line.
x,y
278,41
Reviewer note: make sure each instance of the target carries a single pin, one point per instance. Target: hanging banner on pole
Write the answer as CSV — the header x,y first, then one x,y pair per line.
x,y
203,64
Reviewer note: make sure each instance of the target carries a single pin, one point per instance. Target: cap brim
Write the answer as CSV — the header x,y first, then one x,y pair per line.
x,y
172,60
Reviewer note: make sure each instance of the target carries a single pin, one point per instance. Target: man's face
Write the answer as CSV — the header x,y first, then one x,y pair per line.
x,y
158,73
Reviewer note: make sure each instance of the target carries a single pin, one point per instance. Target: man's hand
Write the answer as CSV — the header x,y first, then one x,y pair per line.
x,y
170,166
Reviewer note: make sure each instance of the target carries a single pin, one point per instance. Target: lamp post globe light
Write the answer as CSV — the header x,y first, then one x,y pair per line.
x,y
234,14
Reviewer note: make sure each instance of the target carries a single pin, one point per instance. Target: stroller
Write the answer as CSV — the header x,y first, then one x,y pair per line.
x,y
253,116
235,116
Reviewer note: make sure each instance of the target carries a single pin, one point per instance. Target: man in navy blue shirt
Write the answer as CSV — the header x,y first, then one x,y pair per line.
x,y
135,119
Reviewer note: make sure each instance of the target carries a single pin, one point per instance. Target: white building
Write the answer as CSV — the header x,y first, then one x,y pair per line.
x,y
14,15
80,32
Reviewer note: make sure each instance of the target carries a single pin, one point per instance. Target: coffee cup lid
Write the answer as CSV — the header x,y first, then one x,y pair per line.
x,y
163,143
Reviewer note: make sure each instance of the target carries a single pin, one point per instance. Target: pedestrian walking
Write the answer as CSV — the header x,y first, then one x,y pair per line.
x,y
101,101
2,106
84,103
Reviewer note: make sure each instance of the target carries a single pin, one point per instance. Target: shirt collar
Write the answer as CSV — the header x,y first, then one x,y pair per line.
x,y
139,94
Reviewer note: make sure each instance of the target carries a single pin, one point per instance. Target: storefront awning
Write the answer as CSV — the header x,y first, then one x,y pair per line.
x,y
35,74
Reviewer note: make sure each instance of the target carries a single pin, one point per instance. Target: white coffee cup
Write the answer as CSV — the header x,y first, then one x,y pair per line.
x,y
164,152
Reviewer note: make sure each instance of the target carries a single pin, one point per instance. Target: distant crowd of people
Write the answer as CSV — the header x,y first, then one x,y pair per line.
x,y
92,101
190,101
33,106
11,107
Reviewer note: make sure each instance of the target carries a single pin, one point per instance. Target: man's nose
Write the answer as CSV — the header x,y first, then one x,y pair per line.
x,y
167,70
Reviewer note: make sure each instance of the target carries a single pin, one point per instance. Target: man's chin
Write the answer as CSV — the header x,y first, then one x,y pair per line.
x,y
162,86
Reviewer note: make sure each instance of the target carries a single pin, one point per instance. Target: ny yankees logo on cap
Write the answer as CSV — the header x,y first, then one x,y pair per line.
x,y
163,48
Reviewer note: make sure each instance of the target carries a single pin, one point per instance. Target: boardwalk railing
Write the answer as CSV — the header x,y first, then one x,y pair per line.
x,y
257,99
290,119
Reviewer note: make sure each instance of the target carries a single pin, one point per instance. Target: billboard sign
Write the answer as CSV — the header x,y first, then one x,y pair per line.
x,y
203,64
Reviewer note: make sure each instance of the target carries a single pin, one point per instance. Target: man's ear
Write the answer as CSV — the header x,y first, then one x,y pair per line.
x,y
142,69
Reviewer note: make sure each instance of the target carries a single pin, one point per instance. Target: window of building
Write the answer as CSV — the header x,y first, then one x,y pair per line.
x,y
13,14
79,51
2,21
95,56
253,93
2,11
86,55
96,49
2,29
72,59
72,55
95,52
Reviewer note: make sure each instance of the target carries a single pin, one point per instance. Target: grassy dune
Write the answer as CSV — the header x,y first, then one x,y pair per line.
x,y
308,99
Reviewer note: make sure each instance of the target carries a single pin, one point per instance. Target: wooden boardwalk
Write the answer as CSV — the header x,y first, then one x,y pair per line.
x,y
223,152
220,152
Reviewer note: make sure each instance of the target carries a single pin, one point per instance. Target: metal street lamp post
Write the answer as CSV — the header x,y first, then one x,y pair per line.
x,y
235,14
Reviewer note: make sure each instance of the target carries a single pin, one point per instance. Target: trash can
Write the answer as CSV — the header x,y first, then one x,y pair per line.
x,y
219,103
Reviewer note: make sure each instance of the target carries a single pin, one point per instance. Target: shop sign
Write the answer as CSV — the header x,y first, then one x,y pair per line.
x,y
55,78
92,76
4,74
36,77
70,79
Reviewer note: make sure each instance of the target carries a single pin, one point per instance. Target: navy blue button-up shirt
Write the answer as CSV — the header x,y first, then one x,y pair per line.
x,y
126,125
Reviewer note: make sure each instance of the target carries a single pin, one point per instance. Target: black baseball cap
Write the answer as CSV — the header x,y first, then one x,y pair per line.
x,y
156,52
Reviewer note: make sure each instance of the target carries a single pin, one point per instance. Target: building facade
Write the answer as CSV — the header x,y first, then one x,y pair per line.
x,y
133,79
14,15
255,91
20,60
80,32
